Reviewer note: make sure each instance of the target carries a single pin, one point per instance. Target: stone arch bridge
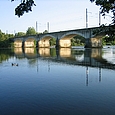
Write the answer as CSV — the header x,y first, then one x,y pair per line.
x,y
63,38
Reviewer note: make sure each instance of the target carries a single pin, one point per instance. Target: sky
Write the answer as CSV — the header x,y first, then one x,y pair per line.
x,y
60,14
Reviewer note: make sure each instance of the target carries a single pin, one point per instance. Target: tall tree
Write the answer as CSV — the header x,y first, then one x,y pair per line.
x,y
107,6
20,34
31,31
24,6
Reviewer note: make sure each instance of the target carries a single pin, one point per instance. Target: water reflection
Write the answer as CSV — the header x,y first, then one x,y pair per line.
x,y
109,55
87,74
65,52
50,81
103,58
44,52
100,71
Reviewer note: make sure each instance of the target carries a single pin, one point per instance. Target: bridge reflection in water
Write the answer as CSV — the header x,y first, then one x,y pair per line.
x,y
84,57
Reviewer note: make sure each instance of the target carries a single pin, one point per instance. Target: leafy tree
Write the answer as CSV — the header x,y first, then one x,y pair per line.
x,y
24,6
5,39
52,41
46,31
107,6
20,34
2,38
77,40
31,31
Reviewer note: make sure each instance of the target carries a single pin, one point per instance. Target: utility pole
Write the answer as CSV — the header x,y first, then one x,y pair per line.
x,y
48,26
114,12
6,31
99,18
86,19
36,27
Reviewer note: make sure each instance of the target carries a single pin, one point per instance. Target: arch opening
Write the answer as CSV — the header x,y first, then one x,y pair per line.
x,y
47,42
72,40
18,43
30,42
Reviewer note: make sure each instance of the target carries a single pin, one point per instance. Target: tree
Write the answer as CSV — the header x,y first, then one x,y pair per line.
x,y
5,39
107,6
20,34
31,31
52,42
24,6
45,31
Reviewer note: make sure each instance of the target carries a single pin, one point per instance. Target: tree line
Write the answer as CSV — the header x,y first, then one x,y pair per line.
x,y
6,39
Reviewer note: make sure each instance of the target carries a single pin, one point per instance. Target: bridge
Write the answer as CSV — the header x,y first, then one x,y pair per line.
x,y
63,38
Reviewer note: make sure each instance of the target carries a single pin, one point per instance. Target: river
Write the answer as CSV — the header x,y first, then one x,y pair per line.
x,y
47,81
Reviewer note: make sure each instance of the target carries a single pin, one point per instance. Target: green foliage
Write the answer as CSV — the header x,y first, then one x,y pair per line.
x,y
52,42
24,6
107,6
53,52
77,40
35,43
20,34
4,39
46,31
31,31
108,40
5,54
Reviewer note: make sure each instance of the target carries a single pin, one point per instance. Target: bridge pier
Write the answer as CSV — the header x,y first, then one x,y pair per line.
x,y
88,43
23,44
57,44
96,42
37,43
93,43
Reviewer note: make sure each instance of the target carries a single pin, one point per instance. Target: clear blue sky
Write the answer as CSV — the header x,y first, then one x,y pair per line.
x,y
61,15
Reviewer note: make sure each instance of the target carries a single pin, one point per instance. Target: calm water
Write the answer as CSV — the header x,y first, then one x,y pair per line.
x,y
65,82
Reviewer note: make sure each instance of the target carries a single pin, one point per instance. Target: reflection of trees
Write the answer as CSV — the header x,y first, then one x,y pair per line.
x,y
77,52
5,54
78,55
32,62
53,52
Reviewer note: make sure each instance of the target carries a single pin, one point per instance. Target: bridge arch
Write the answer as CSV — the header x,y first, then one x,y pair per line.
x,y
30,42
72,34
18,43
44,41
65,40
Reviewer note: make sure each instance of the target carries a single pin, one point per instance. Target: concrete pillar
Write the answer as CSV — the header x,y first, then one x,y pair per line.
x,y
93,43
37,44
57,43
96,42
23,42
88,43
